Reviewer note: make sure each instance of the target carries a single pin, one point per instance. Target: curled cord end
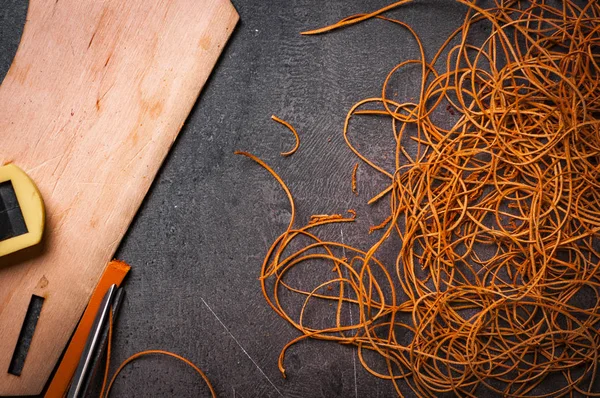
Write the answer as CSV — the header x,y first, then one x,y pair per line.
x,y
293,130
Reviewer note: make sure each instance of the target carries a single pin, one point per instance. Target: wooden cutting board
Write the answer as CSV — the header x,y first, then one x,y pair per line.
x,y
94,99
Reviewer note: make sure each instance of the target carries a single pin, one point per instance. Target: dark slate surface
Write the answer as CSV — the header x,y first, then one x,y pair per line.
x,y
198,241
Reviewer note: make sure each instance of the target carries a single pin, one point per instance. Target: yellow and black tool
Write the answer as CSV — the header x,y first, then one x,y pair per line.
x,y
22,213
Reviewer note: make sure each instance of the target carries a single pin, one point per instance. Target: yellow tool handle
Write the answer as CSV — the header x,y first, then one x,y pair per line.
x,y
32,208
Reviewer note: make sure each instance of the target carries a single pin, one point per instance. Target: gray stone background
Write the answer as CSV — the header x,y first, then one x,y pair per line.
x,y
197,243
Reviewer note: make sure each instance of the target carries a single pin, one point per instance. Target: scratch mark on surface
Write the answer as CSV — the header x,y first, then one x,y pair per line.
x,y
92,39
44,163
55,186
100,24
42,138
108,219
238,343
101,97
99,183
63,156
112,246
135,157
351,322
59,219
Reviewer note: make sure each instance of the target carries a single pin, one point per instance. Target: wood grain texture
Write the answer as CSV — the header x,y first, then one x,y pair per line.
x,y
94,99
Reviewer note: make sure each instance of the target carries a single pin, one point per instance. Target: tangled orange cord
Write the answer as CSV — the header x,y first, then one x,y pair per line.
x,y
495,287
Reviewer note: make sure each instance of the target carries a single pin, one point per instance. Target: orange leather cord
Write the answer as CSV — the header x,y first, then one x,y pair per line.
x,y
106,390
484,277
293,130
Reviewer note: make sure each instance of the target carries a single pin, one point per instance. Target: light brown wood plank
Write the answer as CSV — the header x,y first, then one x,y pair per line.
x,y
94,99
